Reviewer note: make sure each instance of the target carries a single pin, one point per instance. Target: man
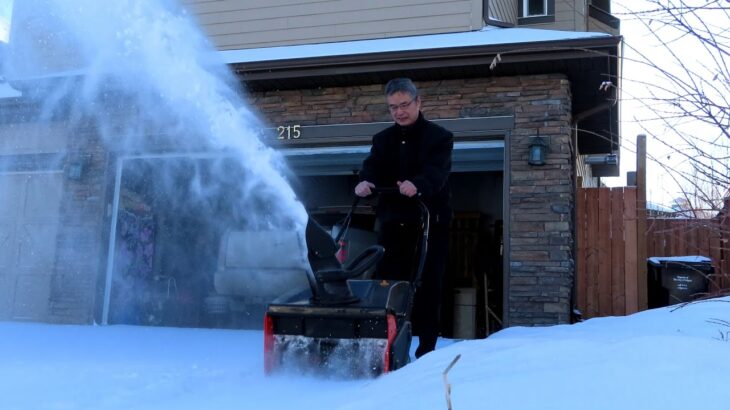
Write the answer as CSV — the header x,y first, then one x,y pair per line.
x,y
414,155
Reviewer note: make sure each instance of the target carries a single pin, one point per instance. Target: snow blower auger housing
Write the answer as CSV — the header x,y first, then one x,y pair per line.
x,y
348,327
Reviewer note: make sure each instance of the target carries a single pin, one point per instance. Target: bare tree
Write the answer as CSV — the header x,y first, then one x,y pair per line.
x,y
678,86
683,86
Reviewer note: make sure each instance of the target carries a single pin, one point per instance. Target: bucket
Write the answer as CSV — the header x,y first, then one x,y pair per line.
x,y
465,313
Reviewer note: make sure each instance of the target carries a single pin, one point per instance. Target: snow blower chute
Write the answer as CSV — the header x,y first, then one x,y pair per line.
x,y
350,327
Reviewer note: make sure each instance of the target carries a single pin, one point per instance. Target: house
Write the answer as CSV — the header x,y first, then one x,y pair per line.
x,y
506,76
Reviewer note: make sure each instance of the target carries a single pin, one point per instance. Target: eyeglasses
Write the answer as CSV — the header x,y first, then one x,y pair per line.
x,y
402,106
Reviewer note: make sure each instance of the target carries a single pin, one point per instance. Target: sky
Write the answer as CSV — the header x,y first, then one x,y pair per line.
x,y
664,159
668,358
6,10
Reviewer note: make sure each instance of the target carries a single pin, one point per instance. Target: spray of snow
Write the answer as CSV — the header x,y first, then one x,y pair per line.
x,y
139,76
330,358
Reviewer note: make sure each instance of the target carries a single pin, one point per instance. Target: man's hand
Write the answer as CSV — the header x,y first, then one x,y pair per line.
x,y
363,188
407,188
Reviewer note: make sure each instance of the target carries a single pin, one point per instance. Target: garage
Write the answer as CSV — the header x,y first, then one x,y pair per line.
x,y
173,212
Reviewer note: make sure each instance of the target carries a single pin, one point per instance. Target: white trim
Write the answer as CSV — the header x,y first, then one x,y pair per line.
x,y
112,243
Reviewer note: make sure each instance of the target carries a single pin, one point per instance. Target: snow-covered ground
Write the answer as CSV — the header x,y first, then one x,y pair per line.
x,y
660,359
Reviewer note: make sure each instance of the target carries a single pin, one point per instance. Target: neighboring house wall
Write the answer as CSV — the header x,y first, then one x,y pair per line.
x,y
585,172
570,15
237,24
541,198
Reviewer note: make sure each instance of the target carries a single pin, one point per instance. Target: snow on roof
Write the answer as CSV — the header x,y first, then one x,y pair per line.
x,y
6,91
653,206
487,36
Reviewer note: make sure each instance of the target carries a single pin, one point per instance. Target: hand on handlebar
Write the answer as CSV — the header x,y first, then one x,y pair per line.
x,y
407,188
363,189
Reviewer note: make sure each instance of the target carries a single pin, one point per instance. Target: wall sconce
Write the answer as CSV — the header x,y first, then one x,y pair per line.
x,y
538,148
77,166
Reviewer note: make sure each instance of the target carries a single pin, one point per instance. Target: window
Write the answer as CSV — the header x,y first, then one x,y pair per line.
x,y
532,8
536,11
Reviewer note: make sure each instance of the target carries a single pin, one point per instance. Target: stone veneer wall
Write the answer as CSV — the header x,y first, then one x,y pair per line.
x,y
540,198
81,243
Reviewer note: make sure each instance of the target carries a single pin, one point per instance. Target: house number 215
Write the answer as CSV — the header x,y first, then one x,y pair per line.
x,y
289,132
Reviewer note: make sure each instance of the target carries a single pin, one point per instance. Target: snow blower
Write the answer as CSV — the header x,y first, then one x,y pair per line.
x,y
343,325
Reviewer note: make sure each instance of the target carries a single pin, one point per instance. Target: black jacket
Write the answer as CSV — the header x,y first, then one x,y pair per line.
x,y
420,153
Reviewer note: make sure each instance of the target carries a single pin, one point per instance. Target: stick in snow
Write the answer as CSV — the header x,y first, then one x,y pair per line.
x,y
447,386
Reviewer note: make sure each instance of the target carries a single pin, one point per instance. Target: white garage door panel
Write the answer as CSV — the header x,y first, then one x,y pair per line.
x,y
29,220
37,245
43,195
12,189
31,297
8,248
7,296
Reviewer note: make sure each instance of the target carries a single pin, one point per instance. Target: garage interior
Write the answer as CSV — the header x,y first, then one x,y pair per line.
x,y
172,213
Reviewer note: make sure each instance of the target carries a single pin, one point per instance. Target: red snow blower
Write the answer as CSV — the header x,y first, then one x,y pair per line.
x,y
343,325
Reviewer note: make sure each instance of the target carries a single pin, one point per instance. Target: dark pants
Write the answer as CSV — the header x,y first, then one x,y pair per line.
x,y
399,263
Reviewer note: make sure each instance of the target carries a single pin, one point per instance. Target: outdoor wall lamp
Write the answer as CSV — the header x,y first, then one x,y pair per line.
x,y
538,148
76,167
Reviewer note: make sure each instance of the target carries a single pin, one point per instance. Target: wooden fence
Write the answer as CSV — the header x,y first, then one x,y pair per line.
x,y
607,268
614,240
705,237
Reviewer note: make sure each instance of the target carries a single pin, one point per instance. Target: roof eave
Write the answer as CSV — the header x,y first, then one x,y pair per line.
x,y
423,58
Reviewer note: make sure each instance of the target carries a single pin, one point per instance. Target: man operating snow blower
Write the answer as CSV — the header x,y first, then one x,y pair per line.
x,y
413,154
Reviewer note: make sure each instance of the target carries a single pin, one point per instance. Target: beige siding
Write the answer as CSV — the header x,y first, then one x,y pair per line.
x,y
595,25
236,24
503,10
570,15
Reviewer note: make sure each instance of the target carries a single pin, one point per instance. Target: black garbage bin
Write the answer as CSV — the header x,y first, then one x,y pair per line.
x,y
677,279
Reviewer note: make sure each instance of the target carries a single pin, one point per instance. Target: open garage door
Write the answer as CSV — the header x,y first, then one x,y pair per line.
x,y
164,249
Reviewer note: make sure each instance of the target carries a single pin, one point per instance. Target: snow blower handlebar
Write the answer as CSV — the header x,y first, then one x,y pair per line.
x,y
425,225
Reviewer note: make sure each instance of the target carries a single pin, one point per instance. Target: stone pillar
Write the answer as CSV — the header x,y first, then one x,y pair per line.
x,y
80,244
541,200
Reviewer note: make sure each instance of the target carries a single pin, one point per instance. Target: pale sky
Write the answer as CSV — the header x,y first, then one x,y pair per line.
x,y
661,187
6,10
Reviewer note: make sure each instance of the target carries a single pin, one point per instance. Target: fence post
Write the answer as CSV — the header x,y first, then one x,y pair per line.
x,y
641,220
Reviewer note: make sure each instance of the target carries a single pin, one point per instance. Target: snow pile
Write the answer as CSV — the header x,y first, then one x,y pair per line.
x,y
660,359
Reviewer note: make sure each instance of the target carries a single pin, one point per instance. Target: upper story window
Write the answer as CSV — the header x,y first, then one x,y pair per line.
x,y
536,11
534,8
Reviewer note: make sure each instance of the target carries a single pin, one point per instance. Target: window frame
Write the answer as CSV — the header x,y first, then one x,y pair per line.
x,y
526,6
549,17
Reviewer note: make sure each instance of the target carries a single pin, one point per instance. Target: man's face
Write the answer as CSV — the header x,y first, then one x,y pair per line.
x,y
404,108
